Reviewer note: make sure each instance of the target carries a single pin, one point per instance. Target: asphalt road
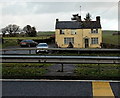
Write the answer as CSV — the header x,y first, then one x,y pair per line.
x,y
54,88
22,51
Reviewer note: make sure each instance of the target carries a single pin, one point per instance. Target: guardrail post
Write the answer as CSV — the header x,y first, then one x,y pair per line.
x,y
62,68
29,51
99,68
4,51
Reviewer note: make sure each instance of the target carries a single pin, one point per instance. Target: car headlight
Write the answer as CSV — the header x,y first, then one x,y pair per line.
x,y
37,50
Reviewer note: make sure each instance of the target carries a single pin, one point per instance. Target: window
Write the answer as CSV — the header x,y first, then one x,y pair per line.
x,y
62,32
94,30
67,40
73,32
94,40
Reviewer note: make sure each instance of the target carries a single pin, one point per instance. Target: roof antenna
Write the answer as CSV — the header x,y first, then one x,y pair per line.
x,y
80,10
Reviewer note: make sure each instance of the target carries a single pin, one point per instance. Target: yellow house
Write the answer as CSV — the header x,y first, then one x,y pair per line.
x,y
82,34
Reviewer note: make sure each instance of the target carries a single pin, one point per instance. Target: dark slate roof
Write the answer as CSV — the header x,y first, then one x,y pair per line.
x,y
91,24
77,25
68,25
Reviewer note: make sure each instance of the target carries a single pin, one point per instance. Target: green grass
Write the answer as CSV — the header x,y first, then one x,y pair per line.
x,y
24,65
0,70
109,38
46,33
82,54
95,71
23,70
30,38
9,42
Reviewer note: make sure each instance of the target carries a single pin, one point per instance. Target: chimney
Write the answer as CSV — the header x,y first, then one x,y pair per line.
x,y
57,20
79,18
98,18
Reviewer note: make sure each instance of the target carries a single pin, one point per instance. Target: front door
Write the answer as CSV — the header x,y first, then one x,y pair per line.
x,y
86,43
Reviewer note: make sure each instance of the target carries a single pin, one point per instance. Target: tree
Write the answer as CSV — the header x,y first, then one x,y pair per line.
x,y
30,31
27,30
34,33
88,17
11,30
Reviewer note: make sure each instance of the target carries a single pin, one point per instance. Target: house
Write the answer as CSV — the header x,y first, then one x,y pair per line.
x,y
82,34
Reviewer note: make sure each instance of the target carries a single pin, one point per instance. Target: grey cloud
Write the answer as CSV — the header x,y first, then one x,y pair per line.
x,y
54,7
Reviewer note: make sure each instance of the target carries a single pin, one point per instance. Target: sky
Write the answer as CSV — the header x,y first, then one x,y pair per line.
x,y
43,15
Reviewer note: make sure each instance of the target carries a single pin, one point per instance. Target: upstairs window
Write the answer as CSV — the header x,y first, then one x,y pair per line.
x,y
94,30
73,32
94,40
62,32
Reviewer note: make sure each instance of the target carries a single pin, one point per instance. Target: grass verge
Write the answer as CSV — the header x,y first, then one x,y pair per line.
x,y
9,42
24,70
95,71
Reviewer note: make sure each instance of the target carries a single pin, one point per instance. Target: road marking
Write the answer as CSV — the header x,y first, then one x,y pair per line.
x,y
102,89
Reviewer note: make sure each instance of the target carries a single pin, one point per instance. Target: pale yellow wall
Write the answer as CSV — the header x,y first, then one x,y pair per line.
x,y
87,34
78,38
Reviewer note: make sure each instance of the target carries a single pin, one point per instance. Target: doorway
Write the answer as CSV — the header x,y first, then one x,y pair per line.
x,y
86,43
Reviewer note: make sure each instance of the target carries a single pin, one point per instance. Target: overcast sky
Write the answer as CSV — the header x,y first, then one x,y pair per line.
x,y
43,15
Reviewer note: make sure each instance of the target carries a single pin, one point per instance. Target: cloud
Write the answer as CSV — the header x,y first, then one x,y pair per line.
x,y
42,15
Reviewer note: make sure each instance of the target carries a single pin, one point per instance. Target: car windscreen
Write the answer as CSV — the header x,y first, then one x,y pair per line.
x,y
27,41
42,45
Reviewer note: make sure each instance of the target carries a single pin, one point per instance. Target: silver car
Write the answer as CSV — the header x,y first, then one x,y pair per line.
x,y
41,46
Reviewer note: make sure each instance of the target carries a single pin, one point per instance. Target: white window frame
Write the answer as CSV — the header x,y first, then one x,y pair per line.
x,y
62,31
73,32
67,40
95,31
94,40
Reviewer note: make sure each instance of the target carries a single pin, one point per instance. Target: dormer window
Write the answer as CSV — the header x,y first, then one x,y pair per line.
x,y
62,31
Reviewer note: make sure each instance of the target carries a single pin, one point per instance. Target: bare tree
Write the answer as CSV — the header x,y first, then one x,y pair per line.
x,y
11,30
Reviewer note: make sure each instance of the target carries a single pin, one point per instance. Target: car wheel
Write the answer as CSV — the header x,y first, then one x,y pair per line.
x,y
28,45
36,52
21,46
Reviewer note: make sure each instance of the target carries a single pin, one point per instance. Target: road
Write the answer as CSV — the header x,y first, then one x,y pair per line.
x,y
60,88
22,51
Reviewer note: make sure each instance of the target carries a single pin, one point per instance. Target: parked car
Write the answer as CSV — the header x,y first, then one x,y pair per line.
x,y
42,46
28,43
